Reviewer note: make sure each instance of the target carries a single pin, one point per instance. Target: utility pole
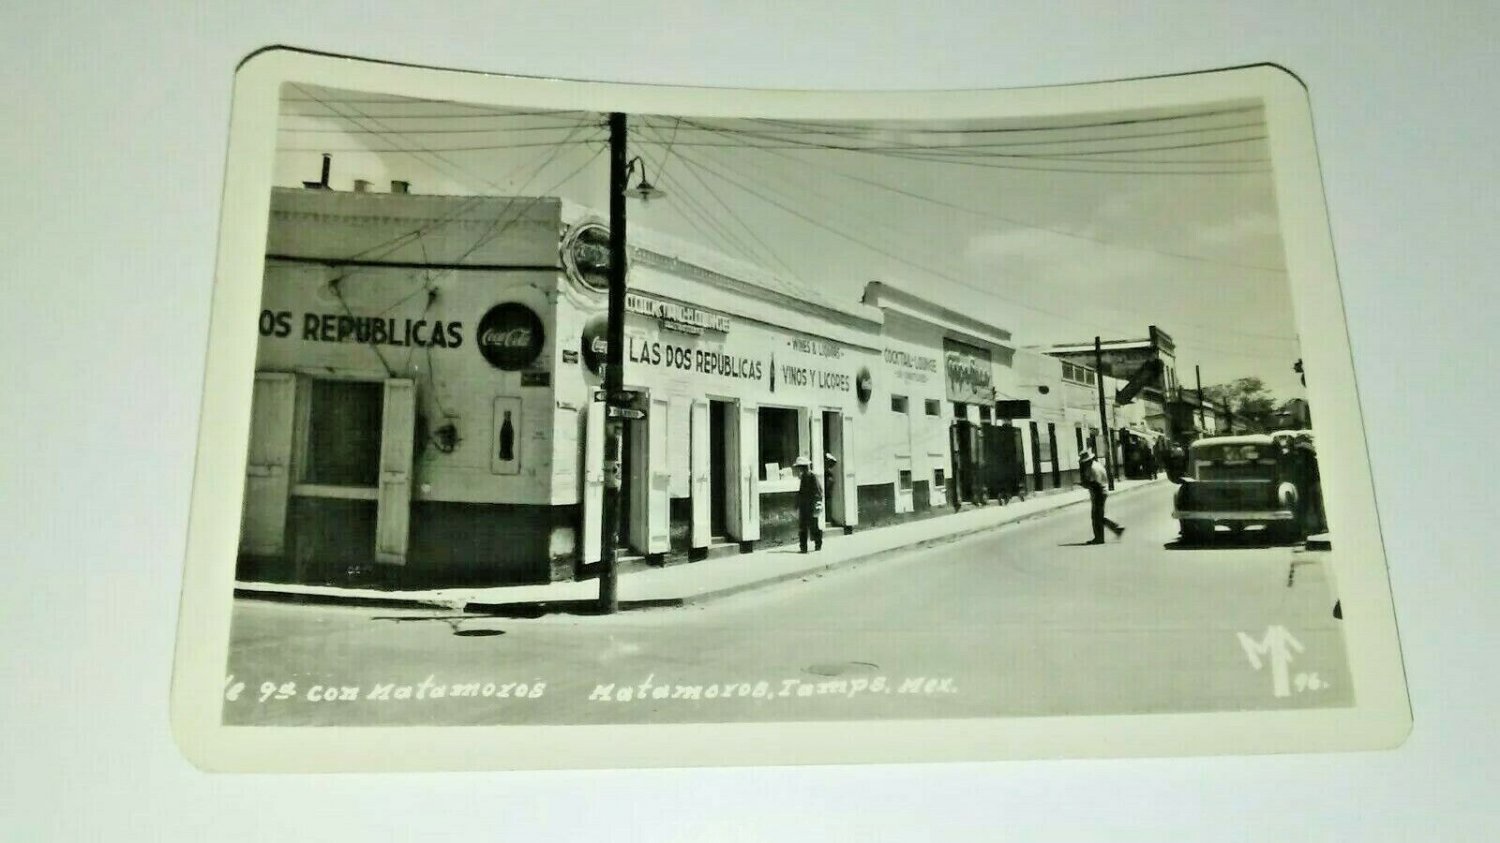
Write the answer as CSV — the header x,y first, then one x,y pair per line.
x,y
1198,373
614,368
1109,441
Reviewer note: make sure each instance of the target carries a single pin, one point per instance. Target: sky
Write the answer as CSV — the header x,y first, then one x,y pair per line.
x,y
1056,230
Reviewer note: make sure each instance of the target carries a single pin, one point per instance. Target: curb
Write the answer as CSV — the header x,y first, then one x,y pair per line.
x,y
876,555
537,608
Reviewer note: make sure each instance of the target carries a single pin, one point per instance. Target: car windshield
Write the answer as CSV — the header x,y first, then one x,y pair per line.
x,y
1214,461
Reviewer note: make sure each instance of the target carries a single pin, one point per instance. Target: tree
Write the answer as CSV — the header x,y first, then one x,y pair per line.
x,y
1253,406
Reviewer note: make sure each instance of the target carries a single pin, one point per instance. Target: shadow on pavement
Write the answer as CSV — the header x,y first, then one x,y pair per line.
x,y
1244,540
561,607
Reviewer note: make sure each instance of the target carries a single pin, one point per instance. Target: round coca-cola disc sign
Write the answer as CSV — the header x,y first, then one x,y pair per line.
x,y
510,336
595,342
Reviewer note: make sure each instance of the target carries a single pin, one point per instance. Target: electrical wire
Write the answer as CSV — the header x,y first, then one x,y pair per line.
x,y
425,131
835,128
691,163
791,141
1012,221
736,217
907,154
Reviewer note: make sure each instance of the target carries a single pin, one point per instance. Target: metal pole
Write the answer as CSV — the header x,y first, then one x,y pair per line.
x,y
614,368
1108,435
1198,373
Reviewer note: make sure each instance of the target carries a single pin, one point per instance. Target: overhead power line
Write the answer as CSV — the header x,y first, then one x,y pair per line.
x,y
895,256
896,126
1010,220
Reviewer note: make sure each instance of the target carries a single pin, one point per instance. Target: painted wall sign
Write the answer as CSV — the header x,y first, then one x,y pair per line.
x,y
814,378
675,314
968,371
585,256
377,330
817,348
510,336
702,361
916,368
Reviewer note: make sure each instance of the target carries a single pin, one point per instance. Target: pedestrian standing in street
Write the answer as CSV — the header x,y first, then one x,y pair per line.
x,y
809,502
1093,478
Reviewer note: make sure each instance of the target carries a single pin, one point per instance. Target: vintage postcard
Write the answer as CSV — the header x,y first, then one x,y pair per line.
x,y
566,424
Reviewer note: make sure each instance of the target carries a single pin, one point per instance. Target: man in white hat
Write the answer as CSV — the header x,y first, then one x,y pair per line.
x,y
809,500
1093,478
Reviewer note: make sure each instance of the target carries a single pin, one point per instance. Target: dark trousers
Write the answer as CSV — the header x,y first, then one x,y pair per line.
x,y
1096,500
806,526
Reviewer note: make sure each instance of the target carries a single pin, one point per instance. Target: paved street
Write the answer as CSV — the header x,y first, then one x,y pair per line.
x,y
1022,620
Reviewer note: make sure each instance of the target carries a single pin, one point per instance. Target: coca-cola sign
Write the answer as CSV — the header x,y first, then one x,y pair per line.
x,y
585,255
595,342
510,336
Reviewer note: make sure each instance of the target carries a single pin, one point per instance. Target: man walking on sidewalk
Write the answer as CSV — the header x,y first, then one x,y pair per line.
x,y
809,501
1093,478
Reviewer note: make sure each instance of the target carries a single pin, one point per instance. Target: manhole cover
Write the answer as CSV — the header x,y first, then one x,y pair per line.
x,y
841,668
478,633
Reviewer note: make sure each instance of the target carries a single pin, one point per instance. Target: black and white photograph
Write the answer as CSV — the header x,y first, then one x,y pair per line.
x,y
563,413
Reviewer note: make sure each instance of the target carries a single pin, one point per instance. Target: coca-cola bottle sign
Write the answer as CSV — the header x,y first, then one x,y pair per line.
x,y
510,336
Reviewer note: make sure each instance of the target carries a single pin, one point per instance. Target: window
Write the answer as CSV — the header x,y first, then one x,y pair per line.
x,y
343,436
780,442
938,480
906,480
898,404
960,410
984,414
1078,374
934,407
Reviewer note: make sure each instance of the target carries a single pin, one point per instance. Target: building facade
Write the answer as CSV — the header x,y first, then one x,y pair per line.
x,y
427,405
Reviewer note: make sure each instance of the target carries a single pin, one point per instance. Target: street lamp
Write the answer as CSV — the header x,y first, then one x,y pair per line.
x,y
645,190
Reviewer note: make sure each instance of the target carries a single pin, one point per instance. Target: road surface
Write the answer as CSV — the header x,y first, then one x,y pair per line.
x,y
1023,620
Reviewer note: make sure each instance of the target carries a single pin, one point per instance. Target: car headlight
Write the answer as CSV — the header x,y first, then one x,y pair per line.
x,y
1286,494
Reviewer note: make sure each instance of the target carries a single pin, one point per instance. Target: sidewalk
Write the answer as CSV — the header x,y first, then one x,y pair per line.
x,y
694,582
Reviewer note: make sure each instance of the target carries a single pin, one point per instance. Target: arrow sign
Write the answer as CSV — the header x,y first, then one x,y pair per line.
x,y
626,413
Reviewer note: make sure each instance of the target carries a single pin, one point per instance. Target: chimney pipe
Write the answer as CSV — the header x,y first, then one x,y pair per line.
x,y
322,183
400,187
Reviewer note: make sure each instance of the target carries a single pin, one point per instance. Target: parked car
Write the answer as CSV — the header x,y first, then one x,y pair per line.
x,y
1243,481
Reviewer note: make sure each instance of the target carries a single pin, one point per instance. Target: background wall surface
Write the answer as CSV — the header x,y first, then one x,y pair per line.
x,y
116,120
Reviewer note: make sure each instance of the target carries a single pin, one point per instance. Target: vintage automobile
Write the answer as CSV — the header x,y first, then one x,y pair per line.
x,y
1244,481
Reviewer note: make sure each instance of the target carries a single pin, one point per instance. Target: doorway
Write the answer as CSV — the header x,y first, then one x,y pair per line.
x,y
718,469
632,496
833,473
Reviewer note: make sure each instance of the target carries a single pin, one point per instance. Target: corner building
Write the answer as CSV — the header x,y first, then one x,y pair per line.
x,y
427,407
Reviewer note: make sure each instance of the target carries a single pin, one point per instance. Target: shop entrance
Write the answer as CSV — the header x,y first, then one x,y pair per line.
x,y
632,494
718,469
328,479
833,471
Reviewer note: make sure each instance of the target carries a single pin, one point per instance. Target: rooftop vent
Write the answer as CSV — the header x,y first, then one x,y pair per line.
x,y
401,187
